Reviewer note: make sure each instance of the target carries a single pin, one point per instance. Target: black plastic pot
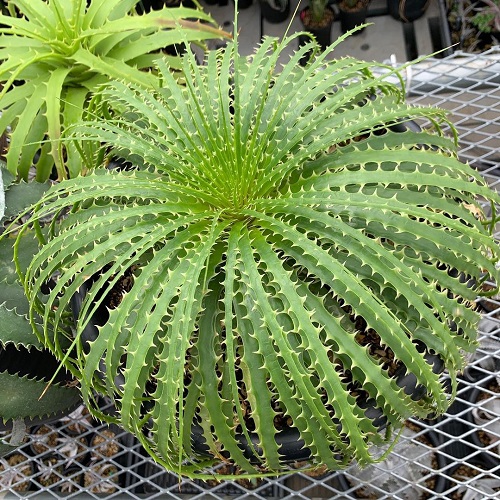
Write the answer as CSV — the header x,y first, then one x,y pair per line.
x,y
25,471
473,483
52,441
288,440
323,31
43,440
273,12
350,19
148,5
407,10
72,479
455,428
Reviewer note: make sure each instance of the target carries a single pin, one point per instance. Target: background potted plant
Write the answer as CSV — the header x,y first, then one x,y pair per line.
x,y
471,24
55,54
407,11
15,473
487,17
317,19
352,13
276,257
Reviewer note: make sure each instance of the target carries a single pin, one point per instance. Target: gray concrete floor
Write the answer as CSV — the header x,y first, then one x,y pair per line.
x,y
381,41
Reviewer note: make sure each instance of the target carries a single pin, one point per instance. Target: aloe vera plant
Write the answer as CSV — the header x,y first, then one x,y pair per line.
x,y
55,53
292,251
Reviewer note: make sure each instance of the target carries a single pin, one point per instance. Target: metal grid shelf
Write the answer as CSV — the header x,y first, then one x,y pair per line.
x,y
454,457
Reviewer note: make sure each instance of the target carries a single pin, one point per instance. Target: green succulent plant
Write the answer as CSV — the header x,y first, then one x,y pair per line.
x,y
55,53
317,8
487,17
290,246
25,365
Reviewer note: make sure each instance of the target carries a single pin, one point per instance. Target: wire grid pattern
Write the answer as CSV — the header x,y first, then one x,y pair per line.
x,y
454,457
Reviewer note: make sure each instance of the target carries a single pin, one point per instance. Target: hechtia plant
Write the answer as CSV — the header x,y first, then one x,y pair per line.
x,y
283,249
55,53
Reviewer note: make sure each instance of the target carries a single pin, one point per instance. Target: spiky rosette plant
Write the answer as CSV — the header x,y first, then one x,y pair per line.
x,y
25,365
55,53
281,251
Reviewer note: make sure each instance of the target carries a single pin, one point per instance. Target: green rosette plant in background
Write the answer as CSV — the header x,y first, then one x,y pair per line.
x,y
285,252
54,54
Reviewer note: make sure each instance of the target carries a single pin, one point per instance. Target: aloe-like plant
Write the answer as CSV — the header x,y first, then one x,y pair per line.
x,y
281,251
25,365
55,53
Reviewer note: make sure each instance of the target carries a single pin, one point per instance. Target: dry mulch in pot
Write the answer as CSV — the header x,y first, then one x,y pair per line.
x,y
15,473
